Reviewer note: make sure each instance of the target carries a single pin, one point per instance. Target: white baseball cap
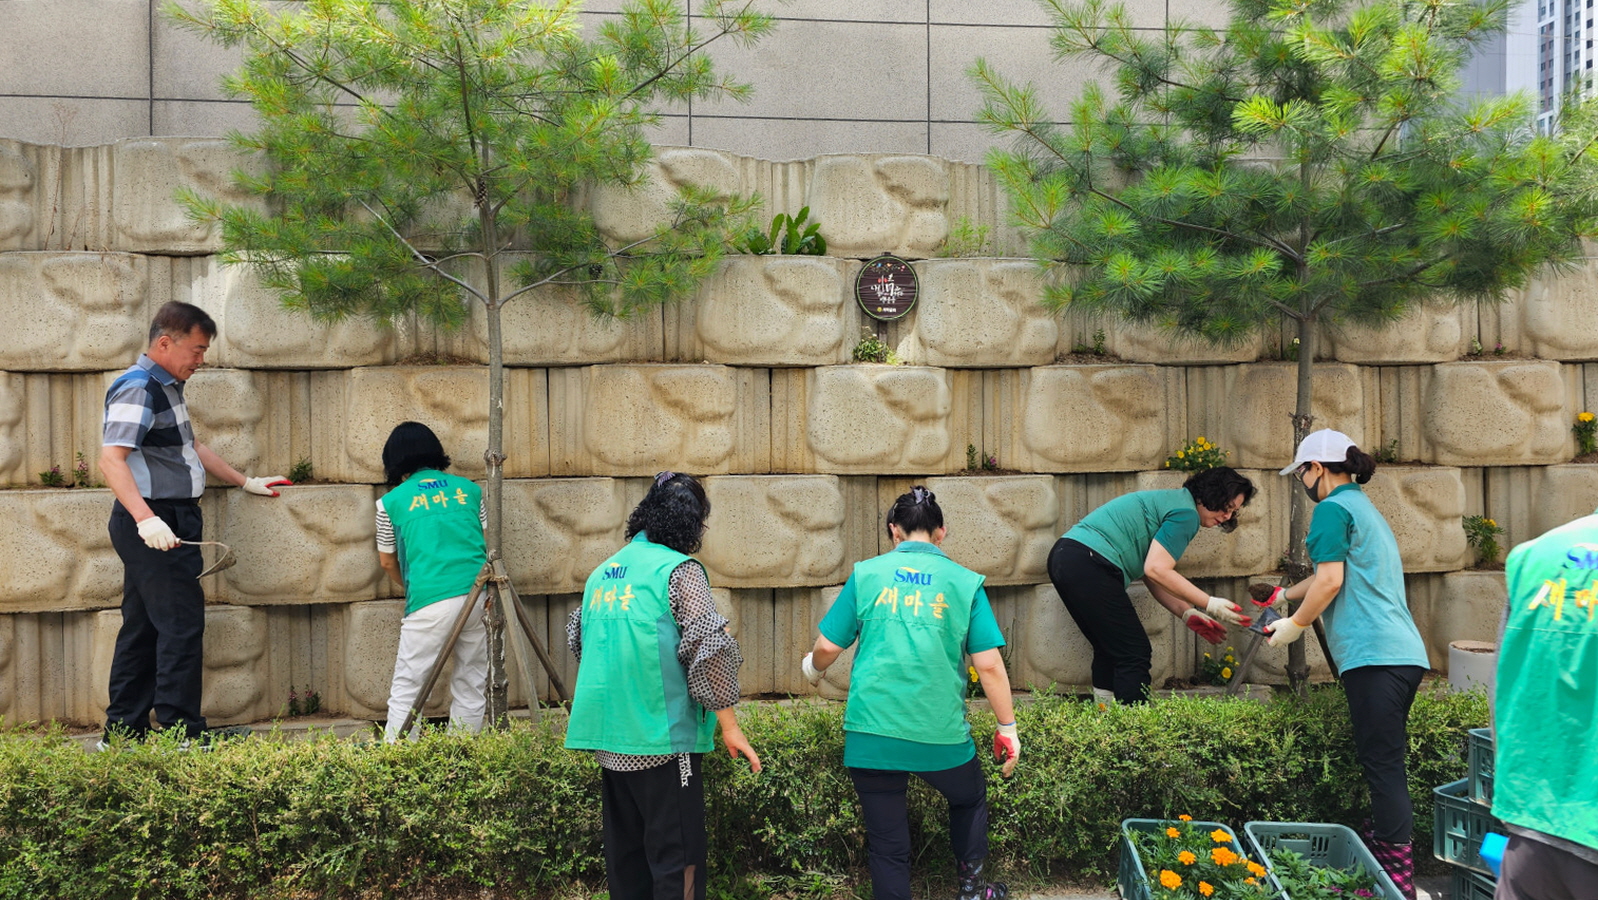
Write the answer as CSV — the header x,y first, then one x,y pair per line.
x,y
1324,446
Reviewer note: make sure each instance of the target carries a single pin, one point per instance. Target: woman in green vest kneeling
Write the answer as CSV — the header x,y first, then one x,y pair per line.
x,y
430,542
915,613
654,656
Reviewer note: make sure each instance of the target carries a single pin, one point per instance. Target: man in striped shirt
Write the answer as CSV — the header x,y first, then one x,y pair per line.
x,y
156,469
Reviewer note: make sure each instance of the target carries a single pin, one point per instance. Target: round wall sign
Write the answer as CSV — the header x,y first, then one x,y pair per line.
x,y
886,288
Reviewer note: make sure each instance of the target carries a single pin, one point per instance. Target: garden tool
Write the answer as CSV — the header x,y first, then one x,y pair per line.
x,y
1264,595
226,561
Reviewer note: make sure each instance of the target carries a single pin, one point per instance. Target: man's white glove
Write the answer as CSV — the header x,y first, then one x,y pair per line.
x,y
262,485
1284,631
157,534
1227,611
812,674
1006,747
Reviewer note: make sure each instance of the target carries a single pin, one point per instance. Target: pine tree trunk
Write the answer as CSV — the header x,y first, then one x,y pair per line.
x,y
498,710
1298,567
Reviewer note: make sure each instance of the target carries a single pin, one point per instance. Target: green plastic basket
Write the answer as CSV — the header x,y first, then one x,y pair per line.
x,y
1480,753
1130,878
1461,824
1470,886
1325,845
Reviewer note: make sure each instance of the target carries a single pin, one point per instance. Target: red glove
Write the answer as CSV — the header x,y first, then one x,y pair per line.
x,y
262,486
1270,593
1204,626
1007,747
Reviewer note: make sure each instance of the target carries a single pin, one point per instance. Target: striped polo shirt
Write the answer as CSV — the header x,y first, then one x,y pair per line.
x,y
144,411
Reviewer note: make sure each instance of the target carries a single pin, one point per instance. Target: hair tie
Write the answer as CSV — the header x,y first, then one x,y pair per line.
x,y
664,477
919,495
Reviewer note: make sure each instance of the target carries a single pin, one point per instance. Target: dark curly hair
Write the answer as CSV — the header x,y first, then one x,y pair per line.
x,y
412,447
1214,488
673,513
915,511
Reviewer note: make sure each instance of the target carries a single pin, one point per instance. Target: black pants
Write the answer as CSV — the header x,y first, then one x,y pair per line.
x,y
1094,593
654,831
887,817
160,650
1379,698
1534,870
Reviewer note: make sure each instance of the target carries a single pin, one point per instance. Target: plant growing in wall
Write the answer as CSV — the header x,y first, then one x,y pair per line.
x,y
422,156
1307,161
788,234
1482,534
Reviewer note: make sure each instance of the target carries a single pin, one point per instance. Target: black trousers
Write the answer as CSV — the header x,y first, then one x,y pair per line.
x,y
1379,698
887,817
1534,870
1093,592
160,649
654,830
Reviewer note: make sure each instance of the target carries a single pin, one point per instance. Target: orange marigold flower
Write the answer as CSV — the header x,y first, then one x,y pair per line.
x,y
1187,857
1223,857
1170,879
1220,837
1255,869
1185,817
1206,888
1250,881
1172,832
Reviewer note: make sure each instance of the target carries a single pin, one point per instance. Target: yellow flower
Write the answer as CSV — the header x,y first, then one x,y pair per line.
x,y
1180,454
973,671
1255,869
1167,464
1206,888
1230,658
1250,881
1172,832
1226,671
1186,857
1170,880
1220,837
1201,439
1185,817
1585,417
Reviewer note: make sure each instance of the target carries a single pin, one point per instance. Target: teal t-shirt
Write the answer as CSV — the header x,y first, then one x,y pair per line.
x,y
863,750
1368,622
1546,734
1123,529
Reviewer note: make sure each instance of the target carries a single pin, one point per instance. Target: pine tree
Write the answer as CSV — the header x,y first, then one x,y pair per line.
x,y
1308,161
423,155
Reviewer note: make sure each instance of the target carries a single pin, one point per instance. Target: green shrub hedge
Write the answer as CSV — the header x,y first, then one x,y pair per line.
x,y
516,812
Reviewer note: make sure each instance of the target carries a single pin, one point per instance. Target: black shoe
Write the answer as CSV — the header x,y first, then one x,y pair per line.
x,y
212,736
973,887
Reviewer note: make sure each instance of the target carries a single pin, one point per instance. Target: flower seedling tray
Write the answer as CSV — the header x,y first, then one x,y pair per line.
x,y
1131,880
1470,886
1461,824
1325,845
1480,754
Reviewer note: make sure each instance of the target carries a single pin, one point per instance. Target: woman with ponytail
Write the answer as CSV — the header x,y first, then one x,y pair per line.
x,y
1358,593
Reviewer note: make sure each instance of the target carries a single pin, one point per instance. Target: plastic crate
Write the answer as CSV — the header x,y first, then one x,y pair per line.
x,y
1461,824
1470,886
1480,753
1325,845
1130,879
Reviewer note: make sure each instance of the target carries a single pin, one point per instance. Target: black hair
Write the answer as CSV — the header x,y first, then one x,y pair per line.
x,y
673,513
1214,488
412,447
176,319
915,511
1356,462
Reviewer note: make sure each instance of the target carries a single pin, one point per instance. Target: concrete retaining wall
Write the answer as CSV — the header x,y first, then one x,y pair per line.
x,y
750,383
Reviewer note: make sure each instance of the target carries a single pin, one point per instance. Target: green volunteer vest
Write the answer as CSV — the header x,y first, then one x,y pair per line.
x,y
1546,729
438,534
914,611
632,694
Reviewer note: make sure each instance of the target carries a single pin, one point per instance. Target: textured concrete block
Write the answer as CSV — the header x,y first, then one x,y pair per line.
x,y
18,175
254,331
148,172
1562,494
1001,526
1425,334
312,544
638,420
559,530
59,554
1150,343
353,412
980,312
1456,606
1050,649
869,419
73,312
1495,414
770,311
1423,505
46,420
868,205
1559,315
235,678
371,639
1081,418
1256,545
625,216
1248,409
229,408
774,531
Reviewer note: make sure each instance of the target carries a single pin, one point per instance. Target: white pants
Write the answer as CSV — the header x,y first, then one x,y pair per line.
x,y
422,635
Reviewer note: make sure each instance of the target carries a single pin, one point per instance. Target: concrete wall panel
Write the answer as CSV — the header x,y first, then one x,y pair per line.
x,y
770,311
313,543
1562,494
254,331
775,531
559,530
1424,506
46,420
1084,418
869,419
1496,413
73,312
868,205
1426,334
1001,526
1559,316
1247,409
624,216
980,312
1455,606
1052,651
147,175
59,555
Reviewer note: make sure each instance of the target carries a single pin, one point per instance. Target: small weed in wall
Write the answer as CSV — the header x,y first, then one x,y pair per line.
x,y
976,462
300,472
873,349
1482,534
1586,431
307,704
79,476
1197,455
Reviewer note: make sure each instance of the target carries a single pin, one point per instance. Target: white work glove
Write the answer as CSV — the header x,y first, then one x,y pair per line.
x,y
157,534
262,485
1006,747
812,674
1284,631
1227,611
